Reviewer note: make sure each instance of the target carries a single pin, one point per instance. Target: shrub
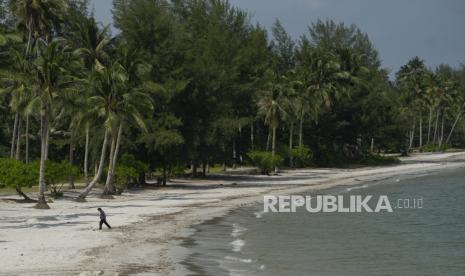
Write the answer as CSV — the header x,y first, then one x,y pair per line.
x,y
123,177
302,155
130,161
14,173
265,161
434,148
56,174
378,160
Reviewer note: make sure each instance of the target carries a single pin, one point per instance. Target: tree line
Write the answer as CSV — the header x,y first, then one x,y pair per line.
x,y
193,84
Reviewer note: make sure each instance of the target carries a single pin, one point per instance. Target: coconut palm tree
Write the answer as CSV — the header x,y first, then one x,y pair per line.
x,y
90,42
117,101
38,18
270,103
53,78
16,83
131,101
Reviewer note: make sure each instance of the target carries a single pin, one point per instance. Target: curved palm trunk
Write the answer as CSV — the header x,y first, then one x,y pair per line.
x,y
18,141
291,140
273,146
436,127
86,158
13,135
21,193
82,196
421,131
301,127
41,202
453,126
27,140
109,188
429,124
71,161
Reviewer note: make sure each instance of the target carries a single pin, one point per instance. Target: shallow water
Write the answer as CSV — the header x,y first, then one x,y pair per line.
x,y
427,241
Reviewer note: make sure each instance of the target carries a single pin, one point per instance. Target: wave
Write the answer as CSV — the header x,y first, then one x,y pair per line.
x,y
236,259
237,245
356,188
237,230
258,214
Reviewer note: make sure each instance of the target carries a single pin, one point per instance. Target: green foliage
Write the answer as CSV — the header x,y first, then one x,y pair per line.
x,y
128,160
378,160
124,175
127,171
435,148
303,156
196,82
14,173
265,161
56,175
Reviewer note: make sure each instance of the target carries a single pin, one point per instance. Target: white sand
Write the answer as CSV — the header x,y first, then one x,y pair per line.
x,y
148,225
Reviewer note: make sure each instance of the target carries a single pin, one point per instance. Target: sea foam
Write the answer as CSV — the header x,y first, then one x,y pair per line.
x,y
237,245
235,259
237,230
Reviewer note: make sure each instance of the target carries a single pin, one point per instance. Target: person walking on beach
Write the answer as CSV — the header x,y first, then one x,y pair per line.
x,y
103,219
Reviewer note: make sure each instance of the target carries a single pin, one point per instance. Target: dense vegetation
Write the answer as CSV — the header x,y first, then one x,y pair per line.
x,y
192,83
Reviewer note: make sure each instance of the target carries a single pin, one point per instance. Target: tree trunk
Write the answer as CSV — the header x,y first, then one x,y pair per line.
x,y
252,136
13,136
18,140
442,130
372,149
47,137
71,161
141,179
86,158
41,202
453,127
301,127
164,174
234,154
412,136
107,189
21,193
194,169
436,127
429,124
110,188
204,169
268,140
99,172
421,131
273,148
27,140
291,146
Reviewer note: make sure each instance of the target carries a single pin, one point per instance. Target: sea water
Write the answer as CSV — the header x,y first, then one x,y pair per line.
x,y
409,241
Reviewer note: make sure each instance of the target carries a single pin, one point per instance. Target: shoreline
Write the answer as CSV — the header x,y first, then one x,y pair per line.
x,y
150,225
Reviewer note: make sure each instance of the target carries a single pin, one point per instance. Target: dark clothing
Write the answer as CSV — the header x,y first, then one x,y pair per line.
x,y
102,221
103,216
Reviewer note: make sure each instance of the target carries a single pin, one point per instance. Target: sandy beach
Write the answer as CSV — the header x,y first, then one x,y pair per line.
x,y
148,225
